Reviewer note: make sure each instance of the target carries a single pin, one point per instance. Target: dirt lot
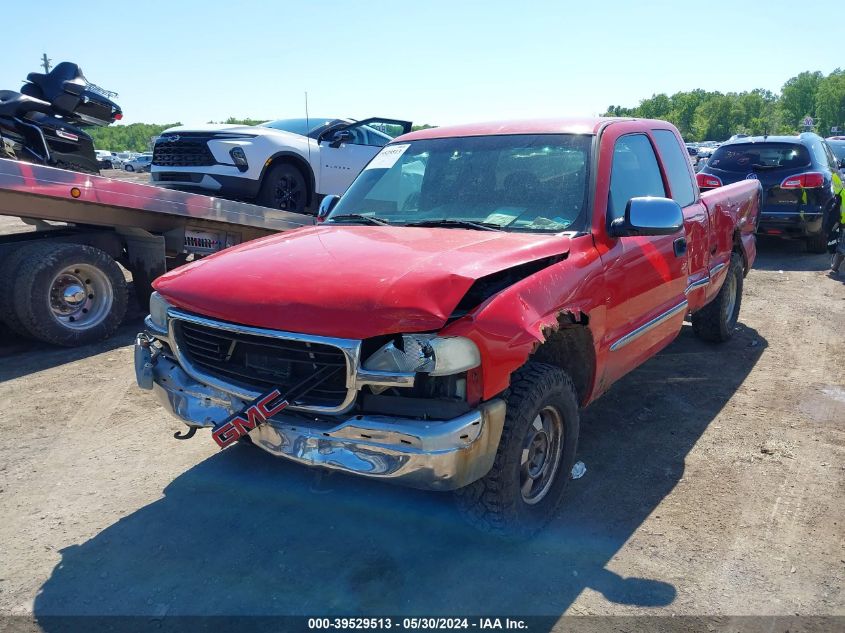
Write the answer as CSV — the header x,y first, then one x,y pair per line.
x,y
715,484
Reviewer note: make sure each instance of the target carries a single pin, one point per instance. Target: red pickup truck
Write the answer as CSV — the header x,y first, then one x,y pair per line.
x,y
446,319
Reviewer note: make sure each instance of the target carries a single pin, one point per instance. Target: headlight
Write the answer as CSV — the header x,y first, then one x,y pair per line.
x,y
158,311
435,355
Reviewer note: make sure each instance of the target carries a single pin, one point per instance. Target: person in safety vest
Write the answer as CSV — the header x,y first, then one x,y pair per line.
x,y
836,227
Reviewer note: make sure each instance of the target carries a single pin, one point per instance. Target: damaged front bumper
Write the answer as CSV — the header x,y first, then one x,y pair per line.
x,y
428,454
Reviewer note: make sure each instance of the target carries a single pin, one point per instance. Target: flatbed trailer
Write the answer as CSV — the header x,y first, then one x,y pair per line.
x,y
60,282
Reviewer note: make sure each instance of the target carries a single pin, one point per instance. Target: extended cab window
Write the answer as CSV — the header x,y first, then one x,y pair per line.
x,y
634,173
513,182
676,164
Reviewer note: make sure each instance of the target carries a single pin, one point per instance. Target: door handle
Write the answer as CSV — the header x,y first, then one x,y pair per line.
x,y
680,246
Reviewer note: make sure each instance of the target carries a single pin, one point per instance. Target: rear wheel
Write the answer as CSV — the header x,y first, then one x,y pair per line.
x,y
716,321
524,489
69,294
284,187
9,265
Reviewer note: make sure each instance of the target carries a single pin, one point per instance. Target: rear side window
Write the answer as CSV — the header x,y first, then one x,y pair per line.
x,y
633,174
743,157
676,165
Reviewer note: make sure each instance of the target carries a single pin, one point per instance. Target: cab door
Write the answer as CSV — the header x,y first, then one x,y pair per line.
x,y
679,177
645,276
345,152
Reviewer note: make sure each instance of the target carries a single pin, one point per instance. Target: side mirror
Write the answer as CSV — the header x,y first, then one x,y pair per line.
x,y
326,205
649,216
340,137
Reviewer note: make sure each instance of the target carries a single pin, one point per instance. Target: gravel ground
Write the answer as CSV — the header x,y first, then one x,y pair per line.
x,y
714,486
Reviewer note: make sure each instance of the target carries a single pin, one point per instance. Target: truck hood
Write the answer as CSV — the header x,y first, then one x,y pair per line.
x,y
350,281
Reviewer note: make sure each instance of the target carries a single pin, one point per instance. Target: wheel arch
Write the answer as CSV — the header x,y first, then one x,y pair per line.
x,y
295,159
571,347
739,248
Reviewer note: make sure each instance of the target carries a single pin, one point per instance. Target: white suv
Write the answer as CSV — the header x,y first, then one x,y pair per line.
x,y
288,164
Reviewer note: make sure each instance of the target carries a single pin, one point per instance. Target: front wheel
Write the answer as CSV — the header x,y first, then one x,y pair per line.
x,y
524,489
284,188
716,321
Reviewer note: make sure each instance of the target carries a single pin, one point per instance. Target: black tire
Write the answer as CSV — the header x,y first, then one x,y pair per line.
x,y
496,503
101,296
817,243
284,187
9,265
716,321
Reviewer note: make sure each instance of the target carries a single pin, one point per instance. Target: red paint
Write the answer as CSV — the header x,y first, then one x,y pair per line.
x,y
809,180
350,281
242,423
361,281
708,181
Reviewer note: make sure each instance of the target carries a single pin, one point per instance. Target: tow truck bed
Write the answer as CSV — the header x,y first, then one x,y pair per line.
x,y
145,228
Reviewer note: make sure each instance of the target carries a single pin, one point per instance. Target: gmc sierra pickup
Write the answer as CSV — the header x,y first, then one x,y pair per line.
x,y
448,316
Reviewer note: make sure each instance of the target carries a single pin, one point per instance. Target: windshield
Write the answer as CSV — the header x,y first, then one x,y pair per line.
x,y
304,127
513,182
741,157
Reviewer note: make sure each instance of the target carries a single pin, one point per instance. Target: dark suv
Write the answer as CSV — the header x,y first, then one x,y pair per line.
x,y
795,172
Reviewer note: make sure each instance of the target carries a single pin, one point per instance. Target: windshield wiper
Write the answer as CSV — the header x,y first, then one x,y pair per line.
x,y
359,216
482,226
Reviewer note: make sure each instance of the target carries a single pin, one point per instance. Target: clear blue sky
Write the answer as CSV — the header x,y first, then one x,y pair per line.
x,y
431,62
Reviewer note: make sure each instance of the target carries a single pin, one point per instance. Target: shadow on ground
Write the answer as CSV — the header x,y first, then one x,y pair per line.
x,y
20,356
244,533
788,255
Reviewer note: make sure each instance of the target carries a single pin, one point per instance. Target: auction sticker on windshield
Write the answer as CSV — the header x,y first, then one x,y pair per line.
x,y
387,157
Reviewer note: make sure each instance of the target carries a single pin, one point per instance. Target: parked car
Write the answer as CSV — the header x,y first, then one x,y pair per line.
x,y
287,164
139,163
837,146
105,159
795,172
449,315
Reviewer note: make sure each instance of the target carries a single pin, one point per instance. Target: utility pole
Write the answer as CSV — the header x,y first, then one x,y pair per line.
x,y
45,62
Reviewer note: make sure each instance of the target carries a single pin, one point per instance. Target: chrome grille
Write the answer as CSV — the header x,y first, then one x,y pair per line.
x,y
260,363
183,150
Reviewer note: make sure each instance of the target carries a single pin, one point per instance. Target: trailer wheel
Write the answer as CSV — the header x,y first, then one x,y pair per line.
x,y
8,273
716,321
69,294
284,187
524,489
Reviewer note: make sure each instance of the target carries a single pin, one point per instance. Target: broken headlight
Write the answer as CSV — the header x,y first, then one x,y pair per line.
x,y
428,353
158,312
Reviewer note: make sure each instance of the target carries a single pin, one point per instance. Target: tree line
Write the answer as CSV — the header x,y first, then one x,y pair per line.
x,y
701,115
137,137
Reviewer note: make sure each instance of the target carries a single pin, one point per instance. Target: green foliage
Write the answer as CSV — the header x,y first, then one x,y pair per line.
x,y
798,96
136,137
830,101
700,115
233,121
